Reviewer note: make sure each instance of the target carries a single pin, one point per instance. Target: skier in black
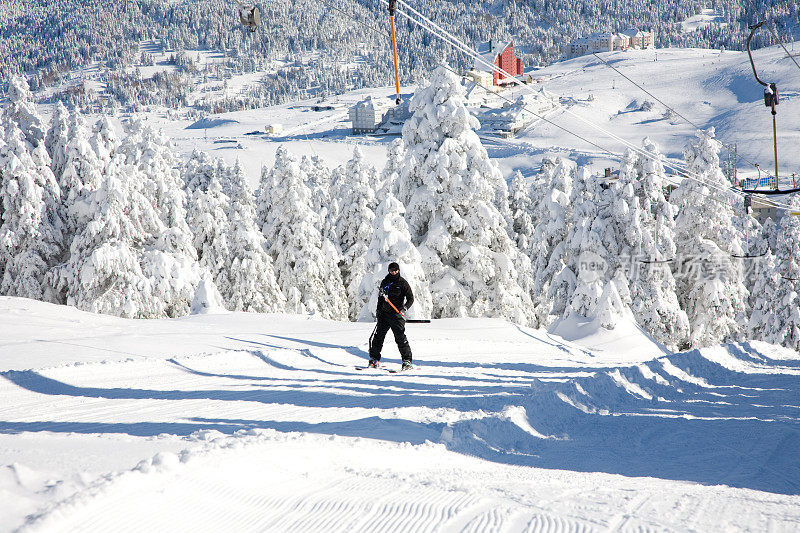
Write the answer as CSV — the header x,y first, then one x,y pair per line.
x,y
394,299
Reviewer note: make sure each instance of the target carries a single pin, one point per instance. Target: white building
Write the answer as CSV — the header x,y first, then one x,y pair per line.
x,y
482,78
376,116
608,42
639,39
367,115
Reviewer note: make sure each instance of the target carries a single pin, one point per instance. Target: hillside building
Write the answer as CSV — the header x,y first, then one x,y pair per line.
x,y
608,42
502,56
376,116
367,115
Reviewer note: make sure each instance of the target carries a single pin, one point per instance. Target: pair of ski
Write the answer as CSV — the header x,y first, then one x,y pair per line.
x,y
383,369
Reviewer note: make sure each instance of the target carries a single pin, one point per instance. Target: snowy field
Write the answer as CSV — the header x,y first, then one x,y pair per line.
x,y
247,422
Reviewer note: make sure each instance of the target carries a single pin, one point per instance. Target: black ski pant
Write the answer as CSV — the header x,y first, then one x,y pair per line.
x,y
397,324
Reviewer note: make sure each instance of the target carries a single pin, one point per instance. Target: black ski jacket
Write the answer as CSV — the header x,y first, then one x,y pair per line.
x,y
399,292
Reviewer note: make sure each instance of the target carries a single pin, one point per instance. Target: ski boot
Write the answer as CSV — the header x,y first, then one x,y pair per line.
x,y
373,363
406,366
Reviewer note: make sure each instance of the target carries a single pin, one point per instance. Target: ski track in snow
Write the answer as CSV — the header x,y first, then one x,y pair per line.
x,y
497,429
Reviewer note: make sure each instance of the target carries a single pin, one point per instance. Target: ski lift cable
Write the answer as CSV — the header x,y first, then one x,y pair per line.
x,y
774,35
456,43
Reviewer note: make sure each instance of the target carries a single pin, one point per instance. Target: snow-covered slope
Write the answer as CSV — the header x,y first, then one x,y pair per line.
x,y
261,422
709,87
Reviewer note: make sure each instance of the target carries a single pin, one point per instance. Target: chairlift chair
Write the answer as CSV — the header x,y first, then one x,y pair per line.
x,y
771,99
249,15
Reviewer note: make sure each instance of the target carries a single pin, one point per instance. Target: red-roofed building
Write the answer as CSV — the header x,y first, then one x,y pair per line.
x,y
502,56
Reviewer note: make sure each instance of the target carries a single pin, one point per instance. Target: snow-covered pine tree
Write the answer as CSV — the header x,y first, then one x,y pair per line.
x,y
754,245
250,281
644,221
31,232
549,249
588,266
57,139
710,284
387,181
20,110
521,206
337,189
449,187
82,173
305,266
198,172
103,273
767,310
269,192
170,258
207,215
391,242
784,326
319,181
105,140
355,227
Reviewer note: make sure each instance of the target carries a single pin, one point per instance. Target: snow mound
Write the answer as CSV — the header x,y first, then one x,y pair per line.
x,y
207,299
626,342
208,122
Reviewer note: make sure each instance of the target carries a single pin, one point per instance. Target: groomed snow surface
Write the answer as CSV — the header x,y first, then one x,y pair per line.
x,y
248,422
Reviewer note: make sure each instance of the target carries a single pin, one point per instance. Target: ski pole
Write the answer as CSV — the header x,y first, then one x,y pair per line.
x,y
385,297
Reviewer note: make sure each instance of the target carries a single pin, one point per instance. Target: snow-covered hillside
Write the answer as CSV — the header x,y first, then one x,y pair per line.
x,y
709,87
261,422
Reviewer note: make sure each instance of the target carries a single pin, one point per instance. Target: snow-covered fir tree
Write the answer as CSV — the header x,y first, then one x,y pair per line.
x,y
784,323
31,231
208,217
103,273
767,310
20,110
319,181
645,230
170,259
305,265
710,283
450,187
387,182
754,246
269,192
391,242
354,227
249,280
31,227
198,172
57,139
521,206
549,249
588,269
82,172
105,140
